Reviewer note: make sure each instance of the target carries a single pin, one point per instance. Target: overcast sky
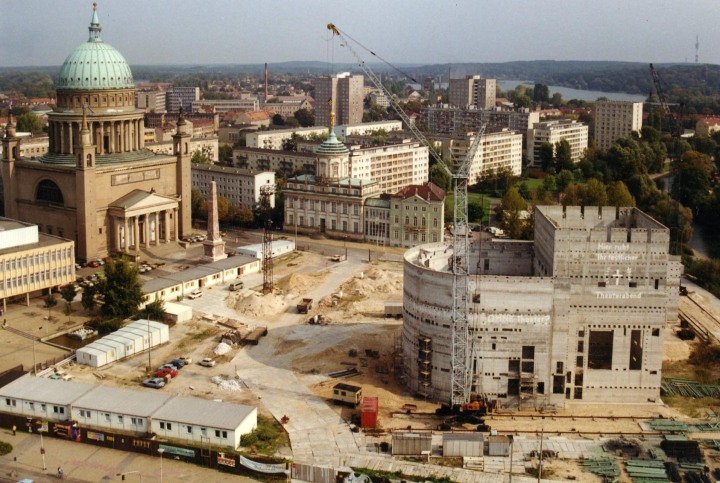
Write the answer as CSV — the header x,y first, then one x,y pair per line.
x,y
44,32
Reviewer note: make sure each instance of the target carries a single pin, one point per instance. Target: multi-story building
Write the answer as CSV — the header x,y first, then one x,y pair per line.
x,y
226,105
578,314
472,92
575,133
347,94
329,201
497,151
392,166
288,105
181,97
444,120
34,146
151,100
274,138
615,120
240,186
32,262
365,128
417,215
284,163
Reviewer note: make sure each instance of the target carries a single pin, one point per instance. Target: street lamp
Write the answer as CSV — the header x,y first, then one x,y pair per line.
x,y
161,451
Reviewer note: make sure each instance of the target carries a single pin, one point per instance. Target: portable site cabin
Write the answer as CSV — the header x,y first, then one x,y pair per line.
x,y
411,444
278,248
125,342
347,394
41,398
177,312
463,444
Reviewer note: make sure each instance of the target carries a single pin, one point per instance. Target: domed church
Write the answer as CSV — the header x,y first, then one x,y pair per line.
x,y
97,184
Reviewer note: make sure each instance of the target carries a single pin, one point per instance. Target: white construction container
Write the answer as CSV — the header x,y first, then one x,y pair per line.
x,y
463,444
125,342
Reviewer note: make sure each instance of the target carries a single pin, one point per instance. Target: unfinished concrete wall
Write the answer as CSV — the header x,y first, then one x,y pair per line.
x,y
502,257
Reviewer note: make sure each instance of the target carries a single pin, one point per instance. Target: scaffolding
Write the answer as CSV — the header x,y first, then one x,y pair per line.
x,y
424,365
528,379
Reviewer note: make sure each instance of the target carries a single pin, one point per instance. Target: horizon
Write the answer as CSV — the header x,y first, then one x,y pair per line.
x,y
166,33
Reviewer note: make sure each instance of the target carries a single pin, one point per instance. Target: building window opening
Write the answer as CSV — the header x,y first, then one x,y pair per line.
x,y
636,350
600,349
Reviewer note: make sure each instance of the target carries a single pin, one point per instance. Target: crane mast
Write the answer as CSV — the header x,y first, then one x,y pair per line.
x,y
674,123
460,377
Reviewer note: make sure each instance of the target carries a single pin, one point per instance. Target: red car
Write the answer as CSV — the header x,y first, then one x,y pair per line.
x,y
93,264
166,371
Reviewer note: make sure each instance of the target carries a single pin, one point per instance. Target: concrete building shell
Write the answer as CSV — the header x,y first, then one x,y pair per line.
x,y
576,315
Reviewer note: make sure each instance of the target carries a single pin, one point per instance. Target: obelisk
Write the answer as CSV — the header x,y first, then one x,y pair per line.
x,y
214,245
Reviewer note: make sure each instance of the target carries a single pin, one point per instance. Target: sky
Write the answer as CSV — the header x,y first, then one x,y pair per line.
x,y
44,32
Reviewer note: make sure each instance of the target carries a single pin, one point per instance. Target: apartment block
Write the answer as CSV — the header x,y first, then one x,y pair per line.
x,y
498,151
365,128
181,97
240,186
448,120
472,91
615,120
347,94
151,100
226,105
392,166
575,133
274,138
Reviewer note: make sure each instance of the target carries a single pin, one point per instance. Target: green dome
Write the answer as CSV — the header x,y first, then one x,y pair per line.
x,y
95,65
332,146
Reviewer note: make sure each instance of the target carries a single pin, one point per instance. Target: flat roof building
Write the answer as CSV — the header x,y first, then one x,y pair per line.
x,y
615,120
575,133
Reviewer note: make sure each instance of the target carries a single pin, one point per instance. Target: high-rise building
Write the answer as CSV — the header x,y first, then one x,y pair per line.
x,y
346,92
498,151
575,133
472,91
615,120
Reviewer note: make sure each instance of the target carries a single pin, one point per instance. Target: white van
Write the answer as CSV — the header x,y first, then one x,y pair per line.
x,y
236,285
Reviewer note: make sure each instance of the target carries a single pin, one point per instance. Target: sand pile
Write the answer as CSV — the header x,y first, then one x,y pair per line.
x,y
299,283
375,280
227,384
222,348
257,305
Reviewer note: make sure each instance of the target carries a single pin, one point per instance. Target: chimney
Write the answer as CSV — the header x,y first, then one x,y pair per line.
x,y
266,82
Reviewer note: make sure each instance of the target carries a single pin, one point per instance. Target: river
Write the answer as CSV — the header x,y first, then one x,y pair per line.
x,y
569,93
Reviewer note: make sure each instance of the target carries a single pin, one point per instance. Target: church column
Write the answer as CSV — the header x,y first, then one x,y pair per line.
x,y
139,133
126,245
118,233
146,229
152,228
175,222
101,141
136,233
167,225
71,144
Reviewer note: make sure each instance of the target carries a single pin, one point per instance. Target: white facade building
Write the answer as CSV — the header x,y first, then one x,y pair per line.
x,y
472,91
363,129
392,166
241,186
575,133
498,151
274,138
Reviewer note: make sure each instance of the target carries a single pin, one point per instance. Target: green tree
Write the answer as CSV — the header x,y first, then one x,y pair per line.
x,y
224,208
541,93
68,294
49,302
155,310
88,298
571,195
619,195
476,211
594,194
200,157
563,155
197,204
29,122
225,153
278,120
510,213
440,177
549,184
306,117
547,155
691,186
121,288
556,100
563,179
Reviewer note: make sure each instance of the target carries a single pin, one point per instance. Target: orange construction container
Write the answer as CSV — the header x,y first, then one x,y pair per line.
x,y
369,412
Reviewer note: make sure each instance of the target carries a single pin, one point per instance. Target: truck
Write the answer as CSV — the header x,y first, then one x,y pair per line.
x,y
394,309
304,305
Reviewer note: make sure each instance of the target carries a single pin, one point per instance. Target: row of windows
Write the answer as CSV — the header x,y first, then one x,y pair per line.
x,y
203,431
22,280
38,258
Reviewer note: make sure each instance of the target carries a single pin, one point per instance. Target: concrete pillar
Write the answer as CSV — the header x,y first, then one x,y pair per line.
x,y
118,233
126,244
61,144
136,233
101,137
167,226
71,144
175,222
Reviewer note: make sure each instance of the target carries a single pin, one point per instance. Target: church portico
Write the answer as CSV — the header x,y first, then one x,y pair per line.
x,y
143,219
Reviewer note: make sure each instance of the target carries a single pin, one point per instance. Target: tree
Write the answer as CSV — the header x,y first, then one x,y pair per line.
x,y
155,310
197,204
557,100
594,194
88,298
619,195
510,212
29,122
571,195
546,154
563,155
541,93
121,288
49,302
225,153
563,179
68,294
278,120
440,177
306,117
224,208
476,211
200,157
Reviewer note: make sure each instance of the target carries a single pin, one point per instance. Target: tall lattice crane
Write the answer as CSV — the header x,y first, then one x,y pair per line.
x,y
267,191
460,390
674,123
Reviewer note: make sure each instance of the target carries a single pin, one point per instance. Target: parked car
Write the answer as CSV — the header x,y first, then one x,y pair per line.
x,y
195,294
186,360
236,285
179,363
166,371
168,366
61,376
94,264
207,362
335,258
155,382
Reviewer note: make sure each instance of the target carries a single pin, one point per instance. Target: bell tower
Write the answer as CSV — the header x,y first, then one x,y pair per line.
x,y
183,177
85,183
11,152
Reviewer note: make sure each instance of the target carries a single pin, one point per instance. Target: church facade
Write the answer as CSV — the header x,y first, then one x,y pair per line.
x,y
97,184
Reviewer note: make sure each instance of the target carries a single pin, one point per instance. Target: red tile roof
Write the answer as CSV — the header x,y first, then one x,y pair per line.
x,y
428,191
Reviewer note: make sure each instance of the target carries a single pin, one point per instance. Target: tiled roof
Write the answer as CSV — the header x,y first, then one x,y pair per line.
x,y
428,191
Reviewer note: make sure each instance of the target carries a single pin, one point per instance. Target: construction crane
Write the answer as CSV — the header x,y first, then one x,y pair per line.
x,y
266,191
460,377
674,126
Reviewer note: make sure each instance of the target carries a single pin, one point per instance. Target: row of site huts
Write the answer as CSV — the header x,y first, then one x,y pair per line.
x,y
134,338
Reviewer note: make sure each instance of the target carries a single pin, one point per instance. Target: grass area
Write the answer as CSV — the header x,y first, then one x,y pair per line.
x,y
532,183
267,438
486,200
5,448
695,408
679,370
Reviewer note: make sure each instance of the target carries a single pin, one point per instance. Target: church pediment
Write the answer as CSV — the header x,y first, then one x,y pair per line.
x,y
139,201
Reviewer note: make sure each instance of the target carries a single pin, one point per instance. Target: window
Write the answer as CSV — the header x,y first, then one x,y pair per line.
x,y
136,421
120,418
203,431
107,417
189,429
56,409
